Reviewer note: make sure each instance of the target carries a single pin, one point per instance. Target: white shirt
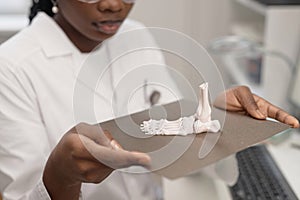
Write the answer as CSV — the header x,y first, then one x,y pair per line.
x,y
38,68
45,90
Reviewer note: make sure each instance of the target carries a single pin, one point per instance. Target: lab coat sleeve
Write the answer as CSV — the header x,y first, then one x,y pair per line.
x,y
24,146
39,192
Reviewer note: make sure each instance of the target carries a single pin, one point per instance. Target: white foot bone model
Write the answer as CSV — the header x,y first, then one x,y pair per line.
x,y
198,123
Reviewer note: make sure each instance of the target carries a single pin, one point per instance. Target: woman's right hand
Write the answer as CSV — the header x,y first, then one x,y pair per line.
x,y
85,154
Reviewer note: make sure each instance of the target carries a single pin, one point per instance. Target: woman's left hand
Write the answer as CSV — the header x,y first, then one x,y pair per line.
x,y
241,99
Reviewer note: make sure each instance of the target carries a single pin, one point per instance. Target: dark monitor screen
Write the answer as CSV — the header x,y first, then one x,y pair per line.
x,y
279,2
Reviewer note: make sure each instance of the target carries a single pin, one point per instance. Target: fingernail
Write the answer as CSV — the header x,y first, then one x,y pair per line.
x,y
115,145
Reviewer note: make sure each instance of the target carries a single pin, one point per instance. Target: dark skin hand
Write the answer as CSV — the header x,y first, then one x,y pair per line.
x,y
85,154
241,99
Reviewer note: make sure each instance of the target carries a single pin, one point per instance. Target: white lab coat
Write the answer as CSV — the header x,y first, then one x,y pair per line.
x,y
41,98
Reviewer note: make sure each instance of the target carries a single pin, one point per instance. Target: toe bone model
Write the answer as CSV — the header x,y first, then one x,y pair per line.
x,y
198,123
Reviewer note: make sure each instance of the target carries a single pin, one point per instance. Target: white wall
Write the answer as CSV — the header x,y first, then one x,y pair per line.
x,y
14,6
203,20
171,14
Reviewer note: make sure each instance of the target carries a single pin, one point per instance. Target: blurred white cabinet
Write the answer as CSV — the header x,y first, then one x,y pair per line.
x,y
277,28
11,24
14,7
13,17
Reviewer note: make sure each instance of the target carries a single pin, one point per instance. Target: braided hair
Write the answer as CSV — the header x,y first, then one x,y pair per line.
x,y
40,5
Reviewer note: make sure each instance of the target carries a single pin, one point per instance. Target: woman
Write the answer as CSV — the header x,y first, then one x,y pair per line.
x,y
37,68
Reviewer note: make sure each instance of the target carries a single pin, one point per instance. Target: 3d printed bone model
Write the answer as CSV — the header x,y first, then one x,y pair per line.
x,y
198,123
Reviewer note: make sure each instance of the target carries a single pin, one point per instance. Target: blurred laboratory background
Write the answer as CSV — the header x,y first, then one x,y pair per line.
x,y
254,43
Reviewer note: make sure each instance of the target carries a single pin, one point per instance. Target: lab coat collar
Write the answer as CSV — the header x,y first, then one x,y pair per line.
x,y
53,40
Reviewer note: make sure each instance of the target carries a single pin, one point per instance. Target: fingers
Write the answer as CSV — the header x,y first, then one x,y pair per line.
x,y
282,116
96,133
115,159
113,143
101,145
120,159
93,132
276,113
241,99
259,108
247,101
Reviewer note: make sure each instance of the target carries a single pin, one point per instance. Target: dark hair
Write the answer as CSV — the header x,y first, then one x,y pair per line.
x,y
40,5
